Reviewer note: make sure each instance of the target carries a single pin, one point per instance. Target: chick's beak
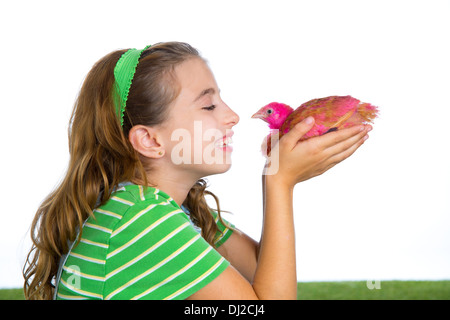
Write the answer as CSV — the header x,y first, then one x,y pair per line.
x,y
258,115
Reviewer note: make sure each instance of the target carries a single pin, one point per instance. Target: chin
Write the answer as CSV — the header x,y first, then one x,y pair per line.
x,y
209,170
224,168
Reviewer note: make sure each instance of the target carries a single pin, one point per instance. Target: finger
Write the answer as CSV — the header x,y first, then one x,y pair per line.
x,y
299,130
349,147
334,138
347,143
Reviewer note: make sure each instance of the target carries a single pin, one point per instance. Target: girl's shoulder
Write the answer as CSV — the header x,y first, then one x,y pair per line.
x,y
130,201
132,194
133,205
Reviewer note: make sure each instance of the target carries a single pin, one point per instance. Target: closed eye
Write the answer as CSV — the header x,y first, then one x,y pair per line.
x,y
210,108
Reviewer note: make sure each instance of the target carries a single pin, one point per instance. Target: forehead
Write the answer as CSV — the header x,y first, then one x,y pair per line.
x,y
194,76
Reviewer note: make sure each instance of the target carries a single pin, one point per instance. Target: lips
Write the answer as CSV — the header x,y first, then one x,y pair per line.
x,y
225,141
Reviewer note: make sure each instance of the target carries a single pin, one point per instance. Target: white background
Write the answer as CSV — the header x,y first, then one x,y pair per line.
x,y
384,213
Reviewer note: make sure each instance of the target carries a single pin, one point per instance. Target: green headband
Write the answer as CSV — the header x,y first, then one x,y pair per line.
x,y
124,73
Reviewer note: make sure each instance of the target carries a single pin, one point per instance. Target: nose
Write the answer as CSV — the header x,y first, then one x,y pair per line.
x,y
231,118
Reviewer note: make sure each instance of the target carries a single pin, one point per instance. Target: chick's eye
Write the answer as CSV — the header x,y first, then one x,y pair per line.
x,y
210,108
269,111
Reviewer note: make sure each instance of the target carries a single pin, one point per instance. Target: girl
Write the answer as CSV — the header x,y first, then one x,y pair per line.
x,y
130,219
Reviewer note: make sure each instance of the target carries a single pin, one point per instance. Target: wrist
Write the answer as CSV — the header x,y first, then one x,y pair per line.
x,y
278,183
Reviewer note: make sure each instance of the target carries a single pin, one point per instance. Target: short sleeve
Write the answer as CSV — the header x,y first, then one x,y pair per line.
x,y
225,229
155,253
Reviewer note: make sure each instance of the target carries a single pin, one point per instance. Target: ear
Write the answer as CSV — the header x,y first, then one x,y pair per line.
x,y
146,141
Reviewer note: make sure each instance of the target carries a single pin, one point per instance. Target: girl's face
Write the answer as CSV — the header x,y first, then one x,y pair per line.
x,y
197,134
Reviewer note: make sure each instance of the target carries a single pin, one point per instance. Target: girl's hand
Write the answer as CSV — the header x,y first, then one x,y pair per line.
x,y
291,161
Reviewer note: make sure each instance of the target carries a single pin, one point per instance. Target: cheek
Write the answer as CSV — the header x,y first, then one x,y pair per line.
x,y
200,144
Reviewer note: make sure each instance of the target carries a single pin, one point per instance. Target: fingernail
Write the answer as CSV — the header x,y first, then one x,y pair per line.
x,y
309,120
366,137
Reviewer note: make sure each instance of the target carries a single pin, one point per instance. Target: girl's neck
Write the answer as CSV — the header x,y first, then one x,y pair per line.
x,y
177,188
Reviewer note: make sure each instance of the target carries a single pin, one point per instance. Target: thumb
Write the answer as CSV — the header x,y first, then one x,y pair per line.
x,y
298,131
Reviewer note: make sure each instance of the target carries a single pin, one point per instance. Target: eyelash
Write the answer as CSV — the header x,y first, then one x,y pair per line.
x,y
210,108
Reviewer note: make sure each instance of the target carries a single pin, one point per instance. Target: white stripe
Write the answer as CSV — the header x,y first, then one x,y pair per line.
x,y
142,234
93,226
97,244
64,296
141,193
108,213
222,236
85,258
115,198
83,275
120,189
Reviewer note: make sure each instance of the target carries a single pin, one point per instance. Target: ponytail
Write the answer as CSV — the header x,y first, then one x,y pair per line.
x,y
200,212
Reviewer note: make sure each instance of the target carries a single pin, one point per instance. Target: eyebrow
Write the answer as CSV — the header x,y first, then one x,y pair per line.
x,y
204,93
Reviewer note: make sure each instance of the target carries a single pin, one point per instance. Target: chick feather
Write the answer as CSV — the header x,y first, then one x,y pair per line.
x,y
330,114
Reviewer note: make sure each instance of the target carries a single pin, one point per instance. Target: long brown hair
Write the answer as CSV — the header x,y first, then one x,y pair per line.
x,y
101,157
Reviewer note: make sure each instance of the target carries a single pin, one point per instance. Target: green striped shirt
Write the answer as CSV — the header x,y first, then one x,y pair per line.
x,y
140,245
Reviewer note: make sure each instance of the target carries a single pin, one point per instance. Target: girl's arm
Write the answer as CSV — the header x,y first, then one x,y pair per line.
x,y
242,252
274,275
